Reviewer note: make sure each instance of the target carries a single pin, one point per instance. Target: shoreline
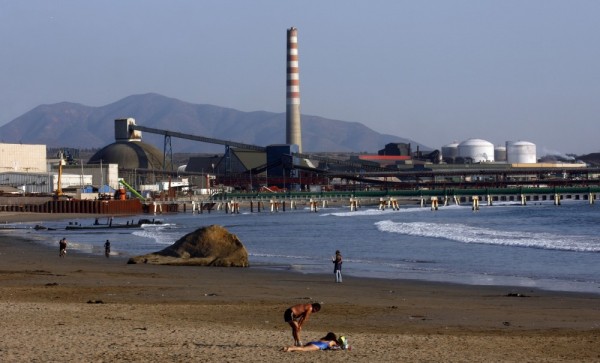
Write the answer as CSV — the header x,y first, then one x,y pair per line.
x,y
87,307
16,217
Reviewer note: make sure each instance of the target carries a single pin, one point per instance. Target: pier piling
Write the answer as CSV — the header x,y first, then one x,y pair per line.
x,y
434,203
475,203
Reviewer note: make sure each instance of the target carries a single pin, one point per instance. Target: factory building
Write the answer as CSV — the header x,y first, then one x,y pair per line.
x,y
128,150
23,158
133,157
400,148
26,168
100,174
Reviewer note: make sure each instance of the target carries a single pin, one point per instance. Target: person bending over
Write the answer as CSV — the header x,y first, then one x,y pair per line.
x,y
296,316
327,342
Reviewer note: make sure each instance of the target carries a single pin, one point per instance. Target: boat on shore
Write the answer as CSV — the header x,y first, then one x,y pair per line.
x,y
110,225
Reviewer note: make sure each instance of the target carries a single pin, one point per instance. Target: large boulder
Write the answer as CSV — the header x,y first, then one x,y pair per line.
x,y
207,246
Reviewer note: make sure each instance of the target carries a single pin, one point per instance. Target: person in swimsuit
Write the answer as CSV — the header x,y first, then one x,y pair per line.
x,y
296,316
327,342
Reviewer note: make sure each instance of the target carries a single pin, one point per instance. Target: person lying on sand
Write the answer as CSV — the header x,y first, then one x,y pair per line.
x,y
329,341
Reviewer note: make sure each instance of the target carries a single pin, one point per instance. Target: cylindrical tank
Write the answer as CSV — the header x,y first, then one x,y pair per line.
x,y
450,152
500,153
476,151
520,152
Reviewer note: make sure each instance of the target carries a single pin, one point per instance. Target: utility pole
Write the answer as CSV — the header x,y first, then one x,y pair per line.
x,y
61,162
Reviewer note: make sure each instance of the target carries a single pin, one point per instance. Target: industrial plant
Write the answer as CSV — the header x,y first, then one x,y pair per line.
x,y
130,169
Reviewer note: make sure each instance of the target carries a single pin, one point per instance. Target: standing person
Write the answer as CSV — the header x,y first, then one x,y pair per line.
x,y
337,266
296,316
62,247
107,248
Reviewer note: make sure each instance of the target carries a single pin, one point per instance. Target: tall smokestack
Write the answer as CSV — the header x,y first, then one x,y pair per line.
x,y
293,133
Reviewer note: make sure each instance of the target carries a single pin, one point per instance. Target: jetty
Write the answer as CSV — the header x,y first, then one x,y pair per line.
x,y
281,201
434,198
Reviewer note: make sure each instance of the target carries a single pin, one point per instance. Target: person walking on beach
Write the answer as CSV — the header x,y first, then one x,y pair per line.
x,y
107,248
337,266
296,316
62,247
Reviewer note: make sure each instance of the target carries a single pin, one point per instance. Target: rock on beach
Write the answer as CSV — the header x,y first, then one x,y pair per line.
x,y
207,246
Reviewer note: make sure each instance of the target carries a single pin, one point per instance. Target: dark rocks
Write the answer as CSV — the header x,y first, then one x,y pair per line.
x,y
516,294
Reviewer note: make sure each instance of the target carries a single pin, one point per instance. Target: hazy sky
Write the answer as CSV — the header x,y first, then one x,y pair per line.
x,y
433,71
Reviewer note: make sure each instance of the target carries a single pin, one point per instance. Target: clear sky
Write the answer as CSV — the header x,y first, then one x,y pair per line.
x,y
433,71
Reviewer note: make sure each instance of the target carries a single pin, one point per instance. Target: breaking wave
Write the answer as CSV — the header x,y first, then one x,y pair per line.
x,y
469,234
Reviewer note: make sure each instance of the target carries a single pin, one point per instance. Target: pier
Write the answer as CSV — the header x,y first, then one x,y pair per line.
x,y
313,201
235,203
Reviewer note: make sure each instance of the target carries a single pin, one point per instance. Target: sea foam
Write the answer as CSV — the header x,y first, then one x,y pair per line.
x,y
469,234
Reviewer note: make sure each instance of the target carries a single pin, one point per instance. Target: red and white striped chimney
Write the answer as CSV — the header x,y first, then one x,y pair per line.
x,y
293,133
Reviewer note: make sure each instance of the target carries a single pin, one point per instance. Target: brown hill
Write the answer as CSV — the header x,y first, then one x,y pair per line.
x,y
79,126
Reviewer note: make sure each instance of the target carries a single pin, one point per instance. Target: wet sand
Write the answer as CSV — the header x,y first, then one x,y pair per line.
x,y
89,308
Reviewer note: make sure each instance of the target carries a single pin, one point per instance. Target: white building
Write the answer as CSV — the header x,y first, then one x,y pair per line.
x,y
102,174
22,158
26,167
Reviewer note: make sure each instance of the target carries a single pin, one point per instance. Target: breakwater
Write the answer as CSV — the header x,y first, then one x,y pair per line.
x,y
395,198
112,207
276,202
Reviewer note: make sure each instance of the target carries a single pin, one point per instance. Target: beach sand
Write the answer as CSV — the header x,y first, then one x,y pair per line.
x,y
85,308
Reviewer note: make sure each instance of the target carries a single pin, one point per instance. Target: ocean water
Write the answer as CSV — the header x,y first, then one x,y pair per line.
x,y
538,245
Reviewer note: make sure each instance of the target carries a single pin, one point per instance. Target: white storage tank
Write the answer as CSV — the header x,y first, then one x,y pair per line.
x,y
476,151
520,152
500,153
450,152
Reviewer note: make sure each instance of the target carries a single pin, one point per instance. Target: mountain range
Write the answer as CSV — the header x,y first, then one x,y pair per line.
x,y
78,126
